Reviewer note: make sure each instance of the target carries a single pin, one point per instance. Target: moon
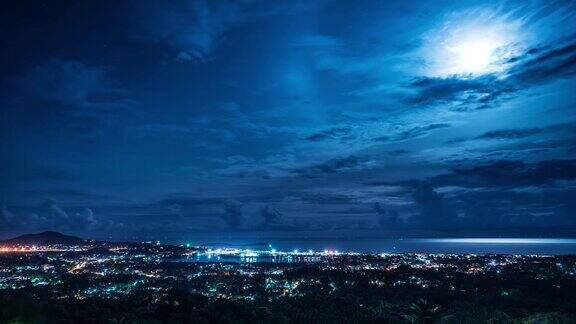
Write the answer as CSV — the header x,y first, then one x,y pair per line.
x,y
473,56
472,46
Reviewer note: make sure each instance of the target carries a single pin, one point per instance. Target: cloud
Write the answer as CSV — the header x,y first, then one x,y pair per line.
x,y
49,216
194,29
337,165
398,152
187,56
534,67
434,211
410,133
333,133
58,218
531,207
57,214
510,133
188,207
565,129
82,90
387,218
83,220
271,217
361,210
327,198
460,92
66,81
509,173
547,65
306,145
331,53
233,214
202,209
189,202
8,220
501,195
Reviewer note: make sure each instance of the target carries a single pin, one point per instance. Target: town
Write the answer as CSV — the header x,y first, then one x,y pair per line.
x,y
185,283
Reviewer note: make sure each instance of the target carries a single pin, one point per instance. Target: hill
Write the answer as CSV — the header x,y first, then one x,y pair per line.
x,y
44,238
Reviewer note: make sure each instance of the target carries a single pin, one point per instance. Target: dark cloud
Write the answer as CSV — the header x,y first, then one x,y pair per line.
x,y
533,208
334,166
57,217
337,165
190,202
500,195
233,214
548,65
271,218
509,173
510,133
410,133
387,218
434,210
49,216
355,211
327,199
455,90
270,215
398,152
198,209
332,133
560,129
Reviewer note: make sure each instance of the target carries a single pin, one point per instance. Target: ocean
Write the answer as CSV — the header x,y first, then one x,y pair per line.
x,y
539,246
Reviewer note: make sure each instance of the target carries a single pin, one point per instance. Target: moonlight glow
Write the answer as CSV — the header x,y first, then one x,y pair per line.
x,y
472,45
473,56
471,51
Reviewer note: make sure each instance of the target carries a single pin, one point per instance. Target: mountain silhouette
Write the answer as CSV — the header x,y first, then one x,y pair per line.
x,y
45,238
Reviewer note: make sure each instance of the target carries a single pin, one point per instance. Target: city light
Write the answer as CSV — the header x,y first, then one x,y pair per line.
x,y
109,270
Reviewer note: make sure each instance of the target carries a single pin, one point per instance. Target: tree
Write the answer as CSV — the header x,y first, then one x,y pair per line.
x,y
422,312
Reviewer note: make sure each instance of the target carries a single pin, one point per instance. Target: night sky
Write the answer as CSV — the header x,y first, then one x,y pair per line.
x,y
255,119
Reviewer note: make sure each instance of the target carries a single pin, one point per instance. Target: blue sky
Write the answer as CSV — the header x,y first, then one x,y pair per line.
x,y
288,119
